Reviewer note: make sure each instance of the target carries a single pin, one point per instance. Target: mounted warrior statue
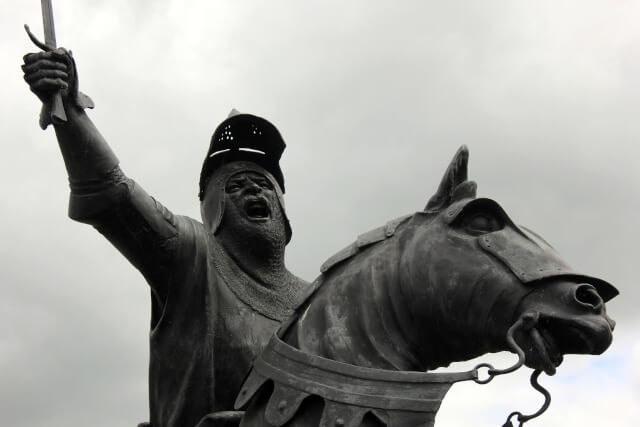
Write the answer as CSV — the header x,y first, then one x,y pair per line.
x,y
447,283
219,288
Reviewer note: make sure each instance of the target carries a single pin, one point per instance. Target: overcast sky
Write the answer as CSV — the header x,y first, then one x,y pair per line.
x,y
373,99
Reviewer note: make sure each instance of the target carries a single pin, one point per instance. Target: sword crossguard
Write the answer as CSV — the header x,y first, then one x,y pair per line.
x,y
37,42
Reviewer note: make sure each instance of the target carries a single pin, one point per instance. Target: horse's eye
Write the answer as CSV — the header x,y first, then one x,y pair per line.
x,y
481,223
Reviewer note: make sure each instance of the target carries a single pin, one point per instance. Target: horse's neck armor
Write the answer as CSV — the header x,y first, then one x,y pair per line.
x,y
349,392
364,240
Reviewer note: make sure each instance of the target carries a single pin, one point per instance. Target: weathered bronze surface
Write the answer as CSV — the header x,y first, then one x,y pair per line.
x,y
219,289
446,284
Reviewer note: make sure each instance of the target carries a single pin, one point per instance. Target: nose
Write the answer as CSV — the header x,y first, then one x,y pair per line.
x,y
587,296
253,188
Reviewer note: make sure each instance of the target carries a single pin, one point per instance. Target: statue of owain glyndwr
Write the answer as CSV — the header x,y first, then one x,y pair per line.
x,y
219,288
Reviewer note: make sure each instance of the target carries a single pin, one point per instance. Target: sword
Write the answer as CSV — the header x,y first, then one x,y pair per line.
x,y
52,112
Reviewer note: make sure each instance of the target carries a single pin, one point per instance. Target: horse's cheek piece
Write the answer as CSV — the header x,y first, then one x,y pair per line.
x,y
517,249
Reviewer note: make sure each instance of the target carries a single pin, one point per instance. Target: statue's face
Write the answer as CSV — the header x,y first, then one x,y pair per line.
x,y
252,204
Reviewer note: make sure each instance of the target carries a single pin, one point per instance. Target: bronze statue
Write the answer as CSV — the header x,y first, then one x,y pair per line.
x,y
449,283
219,288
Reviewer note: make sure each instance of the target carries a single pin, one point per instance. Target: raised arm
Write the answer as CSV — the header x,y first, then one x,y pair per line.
x,y
101,195
86,154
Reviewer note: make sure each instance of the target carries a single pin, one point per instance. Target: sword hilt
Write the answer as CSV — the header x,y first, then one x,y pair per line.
x,y
53,111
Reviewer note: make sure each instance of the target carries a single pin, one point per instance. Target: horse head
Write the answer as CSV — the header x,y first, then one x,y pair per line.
x,y
449,283
471,274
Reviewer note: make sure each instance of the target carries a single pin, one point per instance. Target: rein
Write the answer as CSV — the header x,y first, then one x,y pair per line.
x,y
492,373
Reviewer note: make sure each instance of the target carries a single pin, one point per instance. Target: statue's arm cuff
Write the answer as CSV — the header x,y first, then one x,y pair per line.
x,y
90,198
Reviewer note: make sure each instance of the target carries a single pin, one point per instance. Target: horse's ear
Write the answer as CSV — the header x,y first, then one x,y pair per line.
x,y
454,185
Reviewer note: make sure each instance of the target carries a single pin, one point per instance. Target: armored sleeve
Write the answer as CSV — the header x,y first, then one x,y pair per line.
x,y
143,230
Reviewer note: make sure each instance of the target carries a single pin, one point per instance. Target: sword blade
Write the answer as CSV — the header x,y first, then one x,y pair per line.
x,y
47,21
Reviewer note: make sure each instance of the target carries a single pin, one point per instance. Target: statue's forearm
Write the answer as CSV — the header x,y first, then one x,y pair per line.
x,y
87,156
95,179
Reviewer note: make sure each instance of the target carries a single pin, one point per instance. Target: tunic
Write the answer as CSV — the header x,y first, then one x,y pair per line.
x,y
209,318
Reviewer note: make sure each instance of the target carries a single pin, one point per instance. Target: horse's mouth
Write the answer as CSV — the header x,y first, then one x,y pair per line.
x,y
551,338
542,352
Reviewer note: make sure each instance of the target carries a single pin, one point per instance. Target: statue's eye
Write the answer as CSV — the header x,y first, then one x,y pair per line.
x,y
264,184
482,222
233,186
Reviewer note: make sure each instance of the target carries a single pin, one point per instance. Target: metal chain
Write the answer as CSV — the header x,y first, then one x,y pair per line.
x,y
547,401
527,322
493,372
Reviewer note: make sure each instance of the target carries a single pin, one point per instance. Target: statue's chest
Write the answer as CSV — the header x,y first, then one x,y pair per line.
x,y
240,335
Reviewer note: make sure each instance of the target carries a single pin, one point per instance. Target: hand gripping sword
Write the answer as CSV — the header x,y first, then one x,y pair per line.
x,y
52,112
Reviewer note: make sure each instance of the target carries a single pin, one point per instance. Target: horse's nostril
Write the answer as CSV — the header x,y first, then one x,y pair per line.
x,y
587,295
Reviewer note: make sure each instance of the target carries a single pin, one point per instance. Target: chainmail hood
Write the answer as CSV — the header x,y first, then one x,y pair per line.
x,y
213,200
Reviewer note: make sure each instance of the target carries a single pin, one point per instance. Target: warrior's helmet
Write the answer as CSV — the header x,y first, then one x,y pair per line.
x,y
242,142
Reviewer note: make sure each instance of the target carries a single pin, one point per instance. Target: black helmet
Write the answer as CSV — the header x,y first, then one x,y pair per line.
x,y
244,137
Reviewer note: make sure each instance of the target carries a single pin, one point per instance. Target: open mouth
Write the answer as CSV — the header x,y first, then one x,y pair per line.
x,y
550,339
257,209
546,354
